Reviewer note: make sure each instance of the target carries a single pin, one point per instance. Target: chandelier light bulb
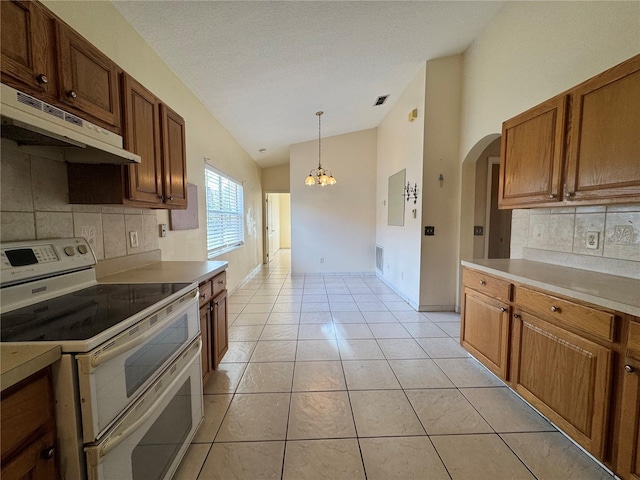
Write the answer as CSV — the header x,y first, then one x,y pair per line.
x,y
320,176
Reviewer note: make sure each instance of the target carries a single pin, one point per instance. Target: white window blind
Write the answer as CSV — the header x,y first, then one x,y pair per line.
x,y
224,212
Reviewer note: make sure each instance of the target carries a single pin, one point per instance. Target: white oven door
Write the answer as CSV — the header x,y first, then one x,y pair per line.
x,y
113,375
150,440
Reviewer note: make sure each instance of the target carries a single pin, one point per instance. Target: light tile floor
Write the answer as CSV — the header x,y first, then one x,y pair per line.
x,y
335,377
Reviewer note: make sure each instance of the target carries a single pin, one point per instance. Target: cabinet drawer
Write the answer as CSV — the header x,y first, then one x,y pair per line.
x,y
206,292
633,340
487,284
586,319
26,409
219,283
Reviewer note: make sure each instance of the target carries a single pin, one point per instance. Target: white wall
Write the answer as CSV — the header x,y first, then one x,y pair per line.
x,y
335,222
531,52
440,203
285,220
400,146
103,26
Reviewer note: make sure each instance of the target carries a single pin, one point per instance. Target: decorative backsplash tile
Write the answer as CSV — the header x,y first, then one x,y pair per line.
x,y
612,231
35,205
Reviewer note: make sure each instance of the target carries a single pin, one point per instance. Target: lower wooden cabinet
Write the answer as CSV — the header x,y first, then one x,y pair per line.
x,y
220,328
28,430
566,377
214,323
485,331
628,461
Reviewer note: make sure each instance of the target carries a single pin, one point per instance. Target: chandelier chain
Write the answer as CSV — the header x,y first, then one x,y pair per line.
x,y
319,140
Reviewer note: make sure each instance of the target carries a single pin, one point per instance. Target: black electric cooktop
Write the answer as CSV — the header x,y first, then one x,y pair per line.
x,y
82,314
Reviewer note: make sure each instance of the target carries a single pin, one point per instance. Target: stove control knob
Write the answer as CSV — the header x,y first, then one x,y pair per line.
x,y
70,251
83,249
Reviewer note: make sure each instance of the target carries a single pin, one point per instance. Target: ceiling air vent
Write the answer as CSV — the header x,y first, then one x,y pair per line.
x,y
381,100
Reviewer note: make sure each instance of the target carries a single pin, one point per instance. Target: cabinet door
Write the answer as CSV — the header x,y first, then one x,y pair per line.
x,y
35,462
89,79
604,153
628,464
485,331
532,151
205,334
174,158
27,47
565,376
220,328
142,136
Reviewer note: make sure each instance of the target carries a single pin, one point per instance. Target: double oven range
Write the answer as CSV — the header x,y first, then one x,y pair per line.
x,y
128,388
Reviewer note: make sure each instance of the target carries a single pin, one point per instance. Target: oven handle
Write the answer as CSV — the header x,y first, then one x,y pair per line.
x,y
104,356
113,442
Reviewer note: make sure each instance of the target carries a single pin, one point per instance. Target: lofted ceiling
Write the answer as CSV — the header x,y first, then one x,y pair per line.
x,y
263,68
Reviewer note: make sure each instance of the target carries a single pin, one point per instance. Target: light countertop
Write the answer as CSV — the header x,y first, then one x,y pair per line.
x,y
610,291
20,361
168,272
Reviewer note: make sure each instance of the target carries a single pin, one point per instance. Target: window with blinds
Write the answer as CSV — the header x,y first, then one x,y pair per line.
x,y
224,212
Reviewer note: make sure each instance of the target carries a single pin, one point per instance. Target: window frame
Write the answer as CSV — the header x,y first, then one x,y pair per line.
x,y
236,197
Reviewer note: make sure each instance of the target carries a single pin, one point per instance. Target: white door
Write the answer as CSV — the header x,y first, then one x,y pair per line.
x,y
271,250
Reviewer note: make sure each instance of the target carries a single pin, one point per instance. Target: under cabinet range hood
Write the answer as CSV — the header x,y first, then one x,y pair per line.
x,y
33,123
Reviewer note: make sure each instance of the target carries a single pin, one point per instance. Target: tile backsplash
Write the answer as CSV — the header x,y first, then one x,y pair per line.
x,y
610,234
34,204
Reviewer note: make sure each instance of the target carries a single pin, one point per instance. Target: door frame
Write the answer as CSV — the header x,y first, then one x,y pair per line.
x,y
491,161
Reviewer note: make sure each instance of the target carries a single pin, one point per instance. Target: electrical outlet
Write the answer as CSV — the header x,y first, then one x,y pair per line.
x,y
89,233
593,240
163,229
321,259
133,239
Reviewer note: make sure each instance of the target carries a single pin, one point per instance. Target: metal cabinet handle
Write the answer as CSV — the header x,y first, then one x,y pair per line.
x,y
482,282
555,309
72,94
203,295
552,195
629,369
170,198
568,194
503,309
220,282
48,453
161,197
42,78
516,315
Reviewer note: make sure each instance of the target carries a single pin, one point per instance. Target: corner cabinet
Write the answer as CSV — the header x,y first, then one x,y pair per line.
x,y
28,429
214,323
156,133
579,147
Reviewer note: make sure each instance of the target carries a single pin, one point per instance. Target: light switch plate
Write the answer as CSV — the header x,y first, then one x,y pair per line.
x,y
593,240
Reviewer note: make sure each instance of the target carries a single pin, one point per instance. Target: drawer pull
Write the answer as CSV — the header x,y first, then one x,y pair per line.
x,y
220,282
483,282
516,315
47,453
42,78
629,369
203,296
72,94
503,309
552,195
555,309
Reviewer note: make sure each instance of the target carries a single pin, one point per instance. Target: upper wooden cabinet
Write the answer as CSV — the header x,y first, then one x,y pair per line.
x,y
581,146
532,148
174,158
88,78
157,134
142,136
28,61
604,153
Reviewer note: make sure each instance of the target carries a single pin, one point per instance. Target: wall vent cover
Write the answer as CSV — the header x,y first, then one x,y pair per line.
x,y
380,100
379,258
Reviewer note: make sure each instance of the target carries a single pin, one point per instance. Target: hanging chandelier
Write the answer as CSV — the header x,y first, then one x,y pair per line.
x,y
319,176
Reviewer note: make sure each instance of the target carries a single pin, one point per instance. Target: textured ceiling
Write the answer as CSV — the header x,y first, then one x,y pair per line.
x,y
264,68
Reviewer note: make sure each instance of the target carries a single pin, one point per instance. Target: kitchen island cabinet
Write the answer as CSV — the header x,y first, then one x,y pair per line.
x,y
572,348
